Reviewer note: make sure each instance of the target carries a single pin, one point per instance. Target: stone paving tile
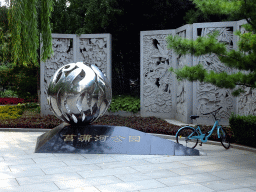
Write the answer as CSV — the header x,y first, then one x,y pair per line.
x,y
235,173
69,169
106,172
46,165
90,161
88,182
192,170
44,160
202,177
162,189
158,166
198,162
31,188
60,157
22,173
36,155
8,182
146,176
80,189
178,180
239,190
246,181
166,159
194,187
4,168
95,156
130,157
66,155
123,163
8,143
48,178
252,188
130,186
10,154
221,185
246,165
242,157
17,162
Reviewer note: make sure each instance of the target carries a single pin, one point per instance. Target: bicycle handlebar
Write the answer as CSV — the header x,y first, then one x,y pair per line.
x,y
212,111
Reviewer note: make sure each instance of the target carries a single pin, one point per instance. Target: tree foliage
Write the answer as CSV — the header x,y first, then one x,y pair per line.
x,y
123,19
243,59
24,31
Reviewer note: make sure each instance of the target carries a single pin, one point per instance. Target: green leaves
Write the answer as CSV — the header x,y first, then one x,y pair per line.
x,y
218,6
99,13
200,46
125,103
190,73
46,38
23,26
244,59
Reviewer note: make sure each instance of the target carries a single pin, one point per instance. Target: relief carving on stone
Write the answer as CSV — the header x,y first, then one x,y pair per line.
x,y
156,77
181,92
63,54
247,101
210,97
93,51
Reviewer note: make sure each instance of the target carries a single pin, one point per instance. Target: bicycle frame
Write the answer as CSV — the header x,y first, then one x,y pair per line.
x,y
202,136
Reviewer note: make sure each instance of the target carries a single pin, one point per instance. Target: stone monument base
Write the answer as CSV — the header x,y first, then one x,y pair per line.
x,y
101,139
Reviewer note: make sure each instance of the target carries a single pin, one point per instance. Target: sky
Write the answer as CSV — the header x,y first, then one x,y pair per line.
x,y
2,2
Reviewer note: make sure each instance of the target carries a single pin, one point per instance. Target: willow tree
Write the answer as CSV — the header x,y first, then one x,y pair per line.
x,y
24,31
244,59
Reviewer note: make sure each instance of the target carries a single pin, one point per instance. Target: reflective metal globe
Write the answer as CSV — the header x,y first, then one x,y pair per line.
x,y
79,93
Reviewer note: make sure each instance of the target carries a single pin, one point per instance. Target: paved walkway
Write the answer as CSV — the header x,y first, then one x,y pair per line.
x,y
218,169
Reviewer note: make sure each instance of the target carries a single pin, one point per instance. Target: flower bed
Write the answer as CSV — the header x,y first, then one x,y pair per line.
x,y
10,112
5,101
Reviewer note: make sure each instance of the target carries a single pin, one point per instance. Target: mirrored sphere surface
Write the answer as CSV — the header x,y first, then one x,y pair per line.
x,y
79,93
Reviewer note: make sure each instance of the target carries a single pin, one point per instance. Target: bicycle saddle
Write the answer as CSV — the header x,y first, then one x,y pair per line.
x,y
193,116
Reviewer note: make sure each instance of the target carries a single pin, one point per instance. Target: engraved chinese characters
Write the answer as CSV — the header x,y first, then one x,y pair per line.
x,y
101,138
79,93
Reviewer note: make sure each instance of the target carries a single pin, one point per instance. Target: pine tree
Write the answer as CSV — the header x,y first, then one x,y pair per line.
x,y
244,59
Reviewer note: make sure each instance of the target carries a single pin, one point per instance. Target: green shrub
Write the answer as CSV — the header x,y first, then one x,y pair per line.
x,y
8,94
10,112
21,79
125,103
244,129
35,107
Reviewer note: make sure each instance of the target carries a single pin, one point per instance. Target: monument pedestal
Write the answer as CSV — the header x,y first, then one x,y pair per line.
x,y
101,139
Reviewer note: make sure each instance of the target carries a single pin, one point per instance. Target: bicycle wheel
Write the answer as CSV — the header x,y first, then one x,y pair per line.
x,y
182,137
224,138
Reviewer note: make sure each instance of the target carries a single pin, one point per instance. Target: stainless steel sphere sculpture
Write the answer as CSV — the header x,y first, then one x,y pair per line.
x,y
79,93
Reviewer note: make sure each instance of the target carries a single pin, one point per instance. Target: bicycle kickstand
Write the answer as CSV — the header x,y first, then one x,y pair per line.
x,y
201,144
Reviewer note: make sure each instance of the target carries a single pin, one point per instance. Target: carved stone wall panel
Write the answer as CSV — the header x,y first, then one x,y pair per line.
x,y
95,48
184,89
246,103
157,88
208,97
68,48
63,54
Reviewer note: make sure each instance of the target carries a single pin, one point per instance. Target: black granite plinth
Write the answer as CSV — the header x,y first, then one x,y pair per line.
x,y
101,139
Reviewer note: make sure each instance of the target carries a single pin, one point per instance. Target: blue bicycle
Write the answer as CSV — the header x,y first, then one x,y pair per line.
x,y
188,136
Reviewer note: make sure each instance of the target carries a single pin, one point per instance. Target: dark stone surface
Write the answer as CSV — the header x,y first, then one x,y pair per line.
x,y
101,139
